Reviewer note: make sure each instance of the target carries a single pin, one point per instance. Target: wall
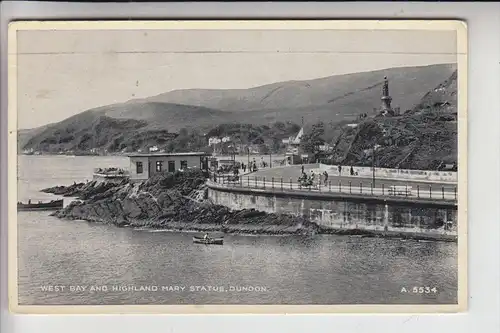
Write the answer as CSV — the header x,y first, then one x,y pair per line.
x,y
149,164
344,214
399,174
192,162
133,168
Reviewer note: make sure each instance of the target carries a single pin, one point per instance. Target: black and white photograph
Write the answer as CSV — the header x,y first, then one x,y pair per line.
x,y
181,166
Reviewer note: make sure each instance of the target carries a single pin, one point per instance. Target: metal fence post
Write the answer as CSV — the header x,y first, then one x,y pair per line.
x,y
255,181
371,187
248,181
418,191
383,192
329,186
406,190
340,186
455,190
272,182
290,183
430,191
442,191
282,183
264,181
241,181
350,187
361,188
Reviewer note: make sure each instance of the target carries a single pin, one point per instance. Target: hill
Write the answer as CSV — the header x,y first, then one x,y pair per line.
x,y
140,123
116,127
359,91
422,138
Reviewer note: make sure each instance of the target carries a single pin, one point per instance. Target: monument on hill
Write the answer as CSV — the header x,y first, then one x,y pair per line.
x,y
386,108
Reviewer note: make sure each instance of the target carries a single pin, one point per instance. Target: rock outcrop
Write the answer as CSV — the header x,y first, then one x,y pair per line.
x,y
164,201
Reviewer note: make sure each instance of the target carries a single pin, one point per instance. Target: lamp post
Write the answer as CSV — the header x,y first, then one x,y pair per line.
x,y
248,155
373,166
232,153
270,163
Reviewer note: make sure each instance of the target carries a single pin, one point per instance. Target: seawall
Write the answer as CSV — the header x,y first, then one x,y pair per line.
x,y
340,212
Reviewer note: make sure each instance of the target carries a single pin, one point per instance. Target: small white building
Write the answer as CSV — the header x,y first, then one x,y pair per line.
x,y
213,141
143,166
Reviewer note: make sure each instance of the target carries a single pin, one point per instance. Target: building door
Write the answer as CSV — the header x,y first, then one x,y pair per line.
x,y
171,166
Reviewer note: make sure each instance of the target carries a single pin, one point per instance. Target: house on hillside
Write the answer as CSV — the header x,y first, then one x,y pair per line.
x,y
220,144
294,153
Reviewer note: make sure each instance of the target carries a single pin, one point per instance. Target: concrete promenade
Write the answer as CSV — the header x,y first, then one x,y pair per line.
x,y
383,190
294,172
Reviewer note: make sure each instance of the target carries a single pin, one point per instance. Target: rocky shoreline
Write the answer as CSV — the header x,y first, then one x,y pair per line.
x,y
171,201
178,202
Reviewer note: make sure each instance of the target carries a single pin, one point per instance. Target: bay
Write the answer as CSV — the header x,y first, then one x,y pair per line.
x,y
64,262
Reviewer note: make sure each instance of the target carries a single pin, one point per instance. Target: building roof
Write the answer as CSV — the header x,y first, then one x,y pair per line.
x,y
167,154
298,137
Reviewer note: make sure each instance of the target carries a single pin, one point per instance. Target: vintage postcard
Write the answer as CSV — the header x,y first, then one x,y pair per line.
x,y
238,166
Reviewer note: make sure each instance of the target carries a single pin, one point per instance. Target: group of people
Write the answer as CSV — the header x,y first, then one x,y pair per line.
x,y
351,171
312,179
252,167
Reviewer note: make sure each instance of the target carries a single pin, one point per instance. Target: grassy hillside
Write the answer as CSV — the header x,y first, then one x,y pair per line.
x,y
359,91
422,138
138,124
166,116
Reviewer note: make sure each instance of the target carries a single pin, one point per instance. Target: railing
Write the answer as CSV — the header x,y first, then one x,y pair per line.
x,y
421,191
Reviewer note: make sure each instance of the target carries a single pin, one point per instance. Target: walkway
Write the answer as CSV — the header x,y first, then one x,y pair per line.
x,y
356,181
347,185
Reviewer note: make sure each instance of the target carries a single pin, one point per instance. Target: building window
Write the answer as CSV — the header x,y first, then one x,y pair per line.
x,y
171,166
159,166
184,165
138,166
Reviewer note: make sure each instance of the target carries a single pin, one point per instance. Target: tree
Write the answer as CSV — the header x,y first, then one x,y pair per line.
x,y
263,149
277,145
312,140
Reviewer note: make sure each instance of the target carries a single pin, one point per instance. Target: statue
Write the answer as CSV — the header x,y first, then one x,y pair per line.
x,y
385,90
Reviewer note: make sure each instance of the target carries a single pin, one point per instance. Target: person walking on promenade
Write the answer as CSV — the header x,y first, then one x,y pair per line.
x,y
326,177
302,168
340,170
312,177
352,171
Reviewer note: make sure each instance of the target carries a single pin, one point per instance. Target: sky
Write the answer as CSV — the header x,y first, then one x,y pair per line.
x,y
64,72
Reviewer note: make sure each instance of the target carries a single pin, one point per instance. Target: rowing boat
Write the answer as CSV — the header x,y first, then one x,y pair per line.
x,y
52,205
214,241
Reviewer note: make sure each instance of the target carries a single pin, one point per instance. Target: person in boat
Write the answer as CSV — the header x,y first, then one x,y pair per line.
x,y
205,237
